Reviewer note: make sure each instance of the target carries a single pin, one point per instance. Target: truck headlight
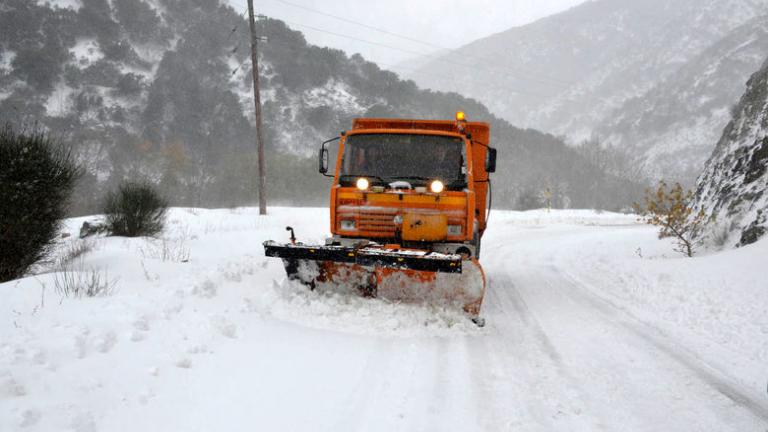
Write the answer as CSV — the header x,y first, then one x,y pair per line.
x,y
454,230
348,225
363,183
437,186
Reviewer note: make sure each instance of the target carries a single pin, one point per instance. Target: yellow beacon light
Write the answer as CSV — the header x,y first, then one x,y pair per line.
x,y
460,116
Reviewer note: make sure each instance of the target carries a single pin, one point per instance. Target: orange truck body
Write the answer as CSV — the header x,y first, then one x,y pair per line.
x,y
398,241
373,211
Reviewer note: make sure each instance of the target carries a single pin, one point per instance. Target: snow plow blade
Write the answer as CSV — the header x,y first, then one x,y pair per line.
x,y
394,274
412,260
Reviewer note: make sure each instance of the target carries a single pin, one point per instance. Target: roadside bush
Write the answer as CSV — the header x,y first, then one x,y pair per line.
x,y
75,250
670,210
136,209
36,178
79,282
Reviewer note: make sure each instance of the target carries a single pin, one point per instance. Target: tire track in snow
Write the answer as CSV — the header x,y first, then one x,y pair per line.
x,y
506,402
365,394
623,367
522,350
393,399
440,375
638,372
524,312
483,376
407,408
677,352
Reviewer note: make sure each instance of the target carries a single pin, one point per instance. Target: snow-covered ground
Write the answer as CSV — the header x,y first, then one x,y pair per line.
x,y
593,324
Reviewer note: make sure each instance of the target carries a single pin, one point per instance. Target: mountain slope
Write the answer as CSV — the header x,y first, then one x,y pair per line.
x,y
564,74
162,89
734,186
672,129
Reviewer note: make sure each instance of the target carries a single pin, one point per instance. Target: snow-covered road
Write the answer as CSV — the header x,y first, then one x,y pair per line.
x,y
590,365
592,325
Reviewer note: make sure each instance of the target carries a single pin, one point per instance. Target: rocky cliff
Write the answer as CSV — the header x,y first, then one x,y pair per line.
x,y
733,190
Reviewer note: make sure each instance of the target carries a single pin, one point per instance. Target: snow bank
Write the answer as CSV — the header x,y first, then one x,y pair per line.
x,y
562,217
185,299
714,305
202,332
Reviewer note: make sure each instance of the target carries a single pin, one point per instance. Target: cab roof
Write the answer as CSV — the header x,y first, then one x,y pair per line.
x,y
480,131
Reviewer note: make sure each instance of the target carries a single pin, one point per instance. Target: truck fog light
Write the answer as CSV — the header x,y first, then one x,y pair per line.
x,y
437,186
454,230
363,183
348,225
398,220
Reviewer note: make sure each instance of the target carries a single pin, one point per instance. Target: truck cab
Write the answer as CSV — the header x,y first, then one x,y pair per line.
x,y
420,184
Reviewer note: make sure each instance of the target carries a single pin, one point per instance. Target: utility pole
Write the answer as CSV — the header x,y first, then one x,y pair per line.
x,y
257,102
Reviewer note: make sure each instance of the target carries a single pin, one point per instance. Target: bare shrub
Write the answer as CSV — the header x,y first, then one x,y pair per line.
x,y
670,210
80,282
168,249
74,251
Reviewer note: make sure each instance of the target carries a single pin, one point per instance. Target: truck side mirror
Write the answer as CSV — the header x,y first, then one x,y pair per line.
x,y
323,160
490,160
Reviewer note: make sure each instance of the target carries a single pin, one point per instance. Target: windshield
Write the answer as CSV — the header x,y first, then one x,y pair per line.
x,y
417,159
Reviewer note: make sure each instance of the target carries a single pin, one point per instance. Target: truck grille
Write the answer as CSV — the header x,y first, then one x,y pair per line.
x,y
377,222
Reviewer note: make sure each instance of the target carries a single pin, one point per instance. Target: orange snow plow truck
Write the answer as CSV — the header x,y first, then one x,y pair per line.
x,y
409,205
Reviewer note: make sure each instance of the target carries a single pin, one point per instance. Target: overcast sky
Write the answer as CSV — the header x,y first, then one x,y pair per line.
x,y
434,23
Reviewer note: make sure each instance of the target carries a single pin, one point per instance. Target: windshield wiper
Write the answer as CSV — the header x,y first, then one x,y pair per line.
x,y
410,177
454,181
363,175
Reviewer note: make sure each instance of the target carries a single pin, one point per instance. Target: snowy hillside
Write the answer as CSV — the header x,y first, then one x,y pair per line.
x,y
592,324
566,73
733,189
162,89
672,129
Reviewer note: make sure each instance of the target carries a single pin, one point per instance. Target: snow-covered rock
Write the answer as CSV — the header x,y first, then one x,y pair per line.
x,y
733,190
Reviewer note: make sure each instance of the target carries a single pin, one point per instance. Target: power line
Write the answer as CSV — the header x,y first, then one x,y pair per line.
x,y
347,20
237,25
358,39
234,50
434,56
466,79
486,61
439,58
394,66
